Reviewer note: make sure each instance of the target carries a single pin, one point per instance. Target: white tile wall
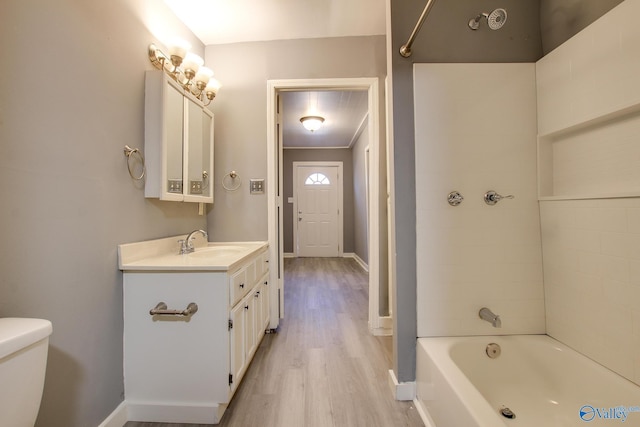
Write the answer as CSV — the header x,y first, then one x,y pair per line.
x,y
591,248
592,74
592,279
476,131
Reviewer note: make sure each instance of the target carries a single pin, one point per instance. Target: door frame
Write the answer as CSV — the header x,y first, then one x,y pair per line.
x,y
275,192
340,191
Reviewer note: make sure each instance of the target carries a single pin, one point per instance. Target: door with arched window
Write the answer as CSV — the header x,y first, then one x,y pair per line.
x,y
318,201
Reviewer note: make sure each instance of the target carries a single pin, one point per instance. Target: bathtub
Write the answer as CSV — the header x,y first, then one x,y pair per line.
x,y
540,380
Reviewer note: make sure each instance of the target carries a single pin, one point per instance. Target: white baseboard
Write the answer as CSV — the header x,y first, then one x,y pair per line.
x,y
402,391
146,412
424,413
384,328
359,260
196,414
117,418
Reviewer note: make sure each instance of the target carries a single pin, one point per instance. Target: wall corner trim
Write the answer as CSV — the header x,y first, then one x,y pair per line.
x,y
402,391
117,418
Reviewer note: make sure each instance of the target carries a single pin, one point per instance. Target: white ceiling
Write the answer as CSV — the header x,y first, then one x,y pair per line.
x,y
343,111
233,21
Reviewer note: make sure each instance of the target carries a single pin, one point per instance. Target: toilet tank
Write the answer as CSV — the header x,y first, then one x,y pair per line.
x,y
24,344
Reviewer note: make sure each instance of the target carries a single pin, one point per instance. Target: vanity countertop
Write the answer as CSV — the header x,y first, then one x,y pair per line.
x,y
163,255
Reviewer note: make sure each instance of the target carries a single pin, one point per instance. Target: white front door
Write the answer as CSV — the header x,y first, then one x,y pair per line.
x,y
318,203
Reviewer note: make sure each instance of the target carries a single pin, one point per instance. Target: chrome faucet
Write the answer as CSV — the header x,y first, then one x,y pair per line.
x,y
494,319
186,245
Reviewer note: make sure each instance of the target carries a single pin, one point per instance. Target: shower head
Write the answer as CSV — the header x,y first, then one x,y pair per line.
x,y
495,19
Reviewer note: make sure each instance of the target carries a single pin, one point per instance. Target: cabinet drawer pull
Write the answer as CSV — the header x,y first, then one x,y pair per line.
x,y
161,309
242,285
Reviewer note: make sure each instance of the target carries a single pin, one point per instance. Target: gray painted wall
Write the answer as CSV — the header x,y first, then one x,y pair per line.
x,y
562,19
338,155
243,69
445,37
71,97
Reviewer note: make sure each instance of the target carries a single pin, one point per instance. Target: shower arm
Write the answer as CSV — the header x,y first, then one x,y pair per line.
x,y
405,50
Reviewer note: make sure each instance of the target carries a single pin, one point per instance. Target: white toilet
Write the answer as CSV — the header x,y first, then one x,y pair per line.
x,y
24,344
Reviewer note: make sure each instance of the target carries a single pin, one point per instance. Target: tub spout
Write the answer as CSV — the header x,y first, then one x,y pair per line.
x,y
494,319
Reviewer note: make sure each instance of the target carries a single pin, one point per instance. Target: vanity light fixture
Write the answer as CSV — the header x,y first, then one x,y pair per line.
x,y
312,123
187,69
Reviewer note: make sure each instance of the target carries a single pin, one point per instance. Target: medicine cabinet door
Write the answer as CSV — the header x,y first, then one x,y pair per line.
x,y
199,153
172,181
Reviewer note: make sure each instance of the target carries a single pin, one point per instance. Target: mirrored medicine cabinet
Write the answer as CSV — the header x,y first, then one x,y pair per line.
x,y
178,142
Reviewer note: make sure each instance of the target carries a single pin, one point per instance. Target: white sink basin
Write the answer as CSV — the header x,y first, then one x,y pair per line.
x,y
215,251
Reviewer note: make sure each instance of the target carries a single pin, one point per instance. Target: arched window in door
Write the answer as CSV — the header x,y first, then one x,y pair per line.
x,y
317,178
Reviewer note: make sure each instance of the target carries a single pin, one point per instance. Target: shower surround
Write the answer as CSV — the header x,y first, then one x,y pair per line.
x,y
476,132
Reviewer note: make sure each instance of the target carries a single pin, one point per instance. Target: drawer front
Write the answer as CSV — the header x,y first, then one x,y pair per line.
x,y
251,273
264,263
239,285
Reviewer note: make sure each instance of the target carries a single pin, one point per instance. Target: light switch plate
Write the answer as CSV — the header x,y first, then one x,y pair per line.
x,y
196,187
256,186
174,186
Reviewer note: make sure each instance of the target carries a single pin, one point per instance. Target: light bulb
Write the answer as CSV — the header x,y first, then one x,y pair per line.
x,y
179,48
191,64
212,88
202,77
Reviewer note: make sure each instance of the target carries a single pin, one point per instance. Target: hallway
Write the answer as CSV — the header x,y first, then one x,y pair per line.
x,y
323,367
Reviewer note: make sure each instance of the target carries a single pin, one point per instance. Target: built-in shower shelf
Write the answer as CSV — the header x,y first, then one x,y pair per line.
x,y
593,159
591,196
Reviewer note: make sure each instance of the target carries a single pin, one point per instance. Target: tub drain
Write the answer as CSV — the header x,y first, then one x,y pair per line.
x,y
507,413
493,350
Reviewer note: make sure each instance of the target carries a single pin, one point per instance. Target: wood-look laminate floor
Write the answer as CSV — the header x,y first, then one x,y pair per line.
x,y
322,367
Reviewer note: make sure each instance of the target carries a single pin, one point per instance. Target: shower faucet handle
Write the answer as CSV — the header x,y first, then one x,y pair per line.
x,y
491,197
455,198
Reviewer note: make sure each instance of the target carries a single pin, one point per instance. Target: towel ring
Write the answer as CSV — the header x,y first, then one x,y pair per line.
x,y
233,176
128,151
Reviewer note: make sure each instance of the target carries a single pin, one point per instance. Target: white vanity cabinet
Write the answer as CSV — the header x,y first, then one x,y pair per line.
x,y
178,142
249,315
185,369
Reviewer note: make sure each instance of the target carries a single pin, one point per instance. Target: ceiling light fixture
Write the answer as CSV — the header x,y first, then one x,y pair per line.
x,y
312,123
187,69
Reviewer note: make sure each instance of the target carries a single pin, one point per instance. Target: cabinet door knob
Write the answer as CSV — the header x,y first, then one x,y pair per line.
x,y
246,307
242,285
